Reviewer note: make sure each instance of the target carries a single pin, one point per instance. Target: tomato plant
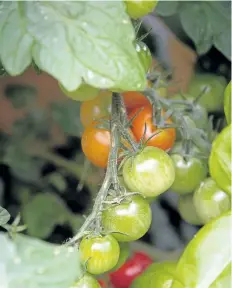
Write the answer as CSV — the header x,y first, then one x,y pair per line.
x,y
220,160
137,9
95,143
87,281
164,139
151,172
129,220
123,277
210,201
193,169
144,55
227,103
99,254
99,107
84,93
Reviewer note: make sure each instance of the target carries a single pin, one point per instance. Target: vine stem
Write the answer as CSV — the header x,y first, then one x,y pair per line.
x,y
110,176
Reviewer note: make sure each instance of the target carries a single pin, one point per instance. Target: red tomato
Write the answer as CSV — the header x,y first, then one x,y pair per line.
x,y
133,99
102,283
123,277
95,143
164,140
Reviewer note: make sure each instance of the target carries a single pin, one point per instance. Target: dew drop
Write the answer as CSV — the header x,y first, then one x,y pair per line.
x,y
56,251
90,74
124,21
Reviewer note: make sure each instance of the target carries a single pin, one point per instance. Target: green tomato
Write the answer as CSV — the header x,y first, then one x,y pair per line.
x,y
99,254
139,8
220,165
129,220
144,55
227,103
150,172
210,201
160,275
188,174
225,278
207,254
212,99
124,254
84,93
187,210
86,281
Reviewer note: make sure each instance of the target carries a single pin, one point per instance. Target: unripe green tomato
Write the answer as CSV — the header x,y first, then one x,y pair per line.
x,y
86,281
144,55
139,8
99,254
210,201
150,172
188,174
84,93
212,99
129,220
227,103
160,275
124,254
220,164
187,210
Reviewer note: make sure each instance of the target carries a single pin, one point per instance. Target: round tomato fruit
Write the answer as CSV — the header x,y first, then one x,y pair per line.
x,y
139,8
144,55
99,254
129,220
150,172
96,108
123,277
188,173
210,201
187,210
84,93
124,254
166,137
87,281
95,143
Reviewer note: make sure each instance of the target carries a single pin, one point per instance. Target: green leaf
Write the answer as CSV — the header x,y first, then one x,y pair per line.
x,y
20,95
32,263
222,42
57,180
73,41
197,26
42,213
67,116
167,8
220,165
16,43
4,216
207,255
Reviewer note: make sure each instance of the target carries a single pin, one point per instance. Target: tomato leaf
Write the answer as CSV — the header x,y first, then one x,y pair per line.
x,y
72,41
207,255
195,23
220,165
29,262
4,216
167,8
42,213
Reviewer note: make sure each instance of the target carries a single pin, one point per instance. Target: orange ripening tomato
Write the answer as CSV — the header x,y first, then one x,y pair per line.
x,y
164,140
95,144
133,99
96,108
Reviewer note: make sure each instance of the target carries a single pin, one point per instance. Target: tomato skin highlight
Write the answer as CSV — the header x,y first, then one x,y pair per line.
x,y
210,201
99,107
99,254
164,140
139,8
188,174
123,277
131,219
87,281
151,172
95,143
